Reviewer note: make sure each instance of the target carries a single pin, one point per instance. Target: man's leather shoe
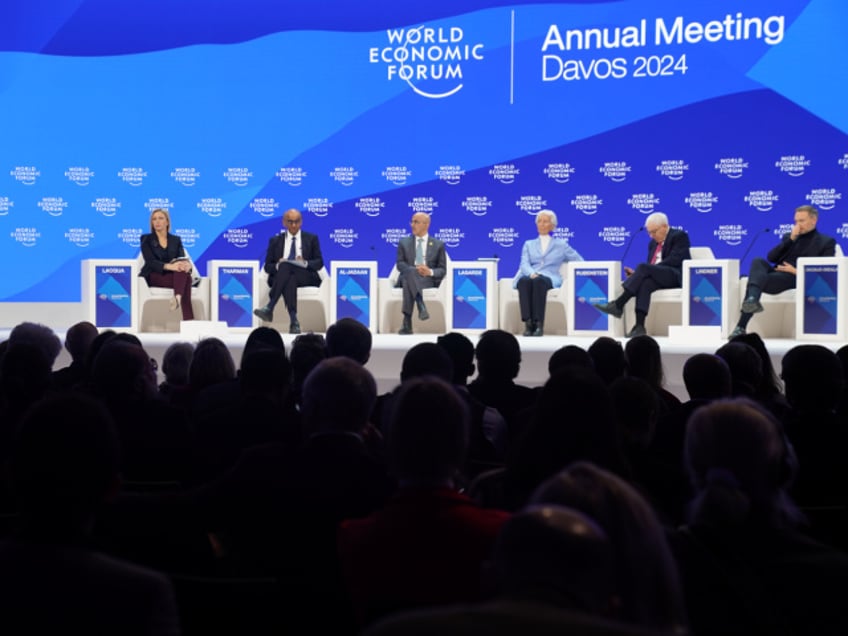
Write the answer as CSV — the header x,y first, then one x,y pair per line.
x,y
751,306
638,330
538,331
264,314
609,308
739,331
529,328
423,314
406,327
294,326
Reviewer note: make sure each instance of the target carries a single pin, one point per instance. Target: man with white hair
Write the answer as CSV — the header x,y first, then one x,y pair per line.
x,y
667,250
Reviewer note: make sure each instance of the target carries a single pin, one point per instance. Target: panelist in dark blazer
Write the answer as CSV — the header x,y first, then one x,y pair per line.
x,y
421,263
166,263
803,240
293,260
667,250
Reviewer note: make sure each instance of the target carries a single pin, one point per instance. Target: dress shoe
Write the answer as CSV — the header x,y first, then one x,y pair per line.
x,y
751,306
406,327
739,331
423,314
264,313
609,308
538,331
638,330
529,328
294,326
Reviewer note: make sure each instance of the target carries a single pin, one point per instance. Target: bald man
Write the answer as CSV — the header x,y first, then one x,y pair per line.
x,y
422,263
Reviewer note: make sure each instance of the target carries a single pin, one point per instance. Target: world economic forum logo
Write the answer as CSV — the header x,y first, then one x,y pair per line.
x,y
239,237
430,60
731,234
6,204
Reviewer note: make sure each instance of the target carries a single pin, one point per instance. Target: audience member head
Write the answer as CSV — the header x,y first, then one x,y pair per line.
x,y
644,360
746,368
338,395
123,374
813,378
263,338
707,377
740,465
569,355
78,339
65,463
41,336
307,351
350,338
608,357
176,363
24,378
426,358
265,373
645,575
428,432
498,355
556,555
770,384
637,409
94,349
212,363
461,352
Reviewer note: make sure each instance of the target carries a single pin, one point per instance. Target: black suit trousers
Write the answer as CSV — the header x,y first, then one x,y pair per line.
x,y
286,281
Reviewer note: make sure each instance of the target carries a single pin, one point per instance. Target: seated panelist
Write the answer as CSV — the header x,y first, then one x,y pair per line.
x,y
166,263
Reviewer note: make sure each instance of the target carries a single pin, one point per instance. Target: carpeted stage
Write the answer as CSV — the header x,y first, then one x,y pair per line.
x,y
388,351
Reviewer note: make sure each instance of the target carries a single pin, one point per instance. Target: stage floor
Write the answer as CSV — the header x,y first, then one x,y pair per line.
x,y
388,351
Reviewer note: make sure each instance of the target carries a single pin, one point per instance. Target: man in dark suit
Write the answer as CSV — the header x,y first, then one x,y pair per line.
x,y
803,240
293,260
667,250
421,263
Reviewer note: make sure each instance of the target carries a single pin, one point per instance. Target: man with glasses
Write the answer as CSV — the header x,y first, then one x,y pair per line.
x,y
667,250
293,260
421,263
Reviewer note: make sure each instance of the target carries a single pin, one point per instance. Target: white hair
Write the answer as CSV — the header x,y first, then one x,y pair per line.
x,y
657,218
548,213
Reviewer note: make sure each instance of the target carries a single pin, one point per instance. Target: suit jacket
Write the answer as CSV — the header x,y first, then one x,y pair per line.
x,y
309,249
155,256
547,264
812,243
434,256
675,250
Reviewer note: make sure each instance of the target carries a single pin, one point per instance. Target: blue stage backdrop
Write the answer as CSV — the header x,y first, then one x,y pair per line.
x,y
725,114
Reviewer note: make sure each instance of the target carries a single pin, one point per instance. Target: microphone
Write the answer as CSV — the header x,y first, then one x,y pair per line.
x,y
751,244
629,243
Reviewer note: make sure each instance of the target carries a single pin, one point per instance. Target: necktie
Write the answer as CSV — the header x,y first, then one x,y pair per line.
x,y
657,253
419,252
293,250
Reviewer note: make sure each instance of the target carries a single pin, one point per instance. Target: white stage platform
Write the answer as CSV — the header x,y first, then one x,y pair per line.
x,y
388,352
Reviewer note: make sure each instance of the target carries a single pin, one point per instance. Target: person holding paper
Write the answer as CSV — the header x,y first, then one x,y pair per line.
x,y
293,260
166,263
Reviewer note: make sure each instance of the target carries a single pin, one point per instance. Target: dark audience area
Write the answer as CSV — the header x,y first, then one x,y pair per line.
x,y
285,495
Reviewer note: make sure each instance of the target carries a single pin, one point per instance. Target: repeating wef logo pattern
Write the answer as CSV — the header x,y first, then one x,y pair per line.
x,y
397,175
318,206
238,236
212,206
504,172
564,233
26,175
615,235
451,236
6,204
264,206
477,205
843,161
531,204
842,231
189,236
559,172
644,202
422,204
793,165
430,60
452,175
26,236
762,200
345,175
79,236
824,198
239,177
504,236
701,201
130,236
107,206
185,176
731,167
292,176
344,236
159,202
370,206
81,175
54,206
588,204
732,234
132,176
393,235
616,171
673,169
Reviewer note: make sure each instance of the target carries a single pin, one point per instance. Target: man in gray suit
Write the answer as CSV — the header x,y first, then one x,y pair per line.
x,y
421,263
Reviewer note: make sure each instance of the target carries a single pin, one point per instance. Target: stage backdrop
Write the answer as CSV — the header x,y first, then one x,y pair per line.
x,y
725,114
